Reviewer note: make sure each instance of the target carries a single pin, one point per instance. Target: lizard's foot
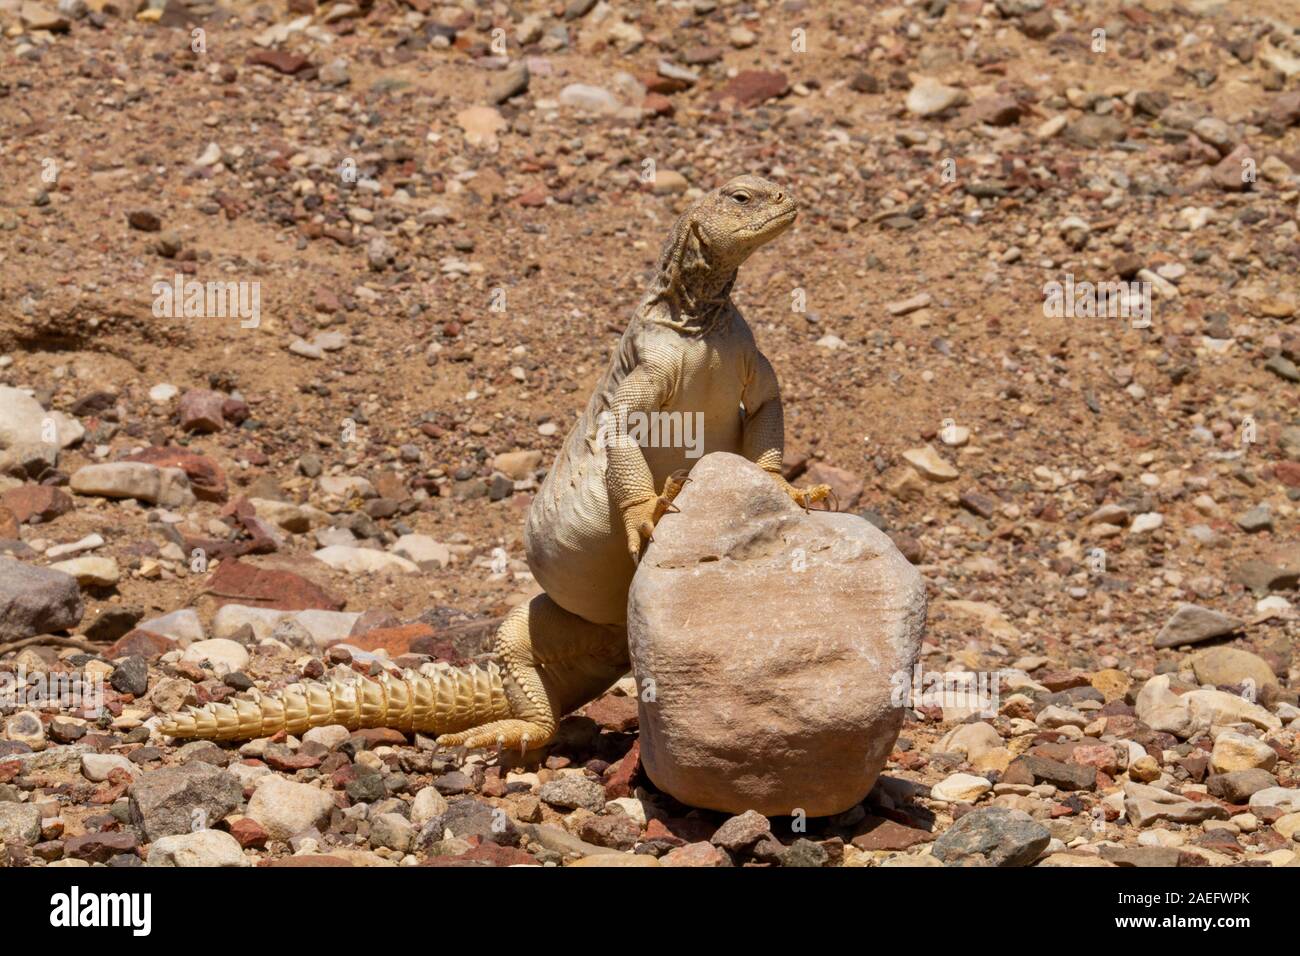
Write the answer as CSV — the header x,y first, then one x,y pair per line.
x,y
806,497
523,735
640,518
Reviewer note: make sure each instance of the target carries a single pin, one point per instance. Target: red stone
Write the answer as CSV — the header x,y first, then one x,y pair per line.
x,y
614,712
396,640
290,762
1288,472
846,485
752,87
98,847
881,834
695,855
486,854
1229,173
1285,109
282,61
1063,680
249,833
657,832
201,411
8,524
237,582
374,737
619,780
42,502
534,197
140,643
207,480
654,83
658,105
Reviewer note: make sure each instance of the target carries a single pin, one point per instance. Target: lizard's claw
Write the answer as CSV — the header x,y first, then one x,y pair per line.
x,y
639,524
502,734
640,518
806,497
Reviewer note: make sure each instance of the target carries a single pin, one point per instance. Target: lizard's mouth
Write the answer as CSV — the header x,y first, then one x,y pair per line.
x,y
773,224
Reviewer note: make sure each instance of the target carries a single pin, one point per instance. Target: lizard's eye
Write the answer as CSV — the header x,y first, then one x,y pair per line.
x,y
740,198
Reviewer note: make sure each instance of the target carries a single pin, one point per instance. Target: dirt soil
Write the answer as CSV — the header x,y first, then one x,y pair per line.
x,y
447,214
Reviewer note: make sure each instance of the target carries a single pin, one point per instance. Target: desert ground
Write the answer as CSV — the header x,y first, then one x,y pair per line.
x,y
427,225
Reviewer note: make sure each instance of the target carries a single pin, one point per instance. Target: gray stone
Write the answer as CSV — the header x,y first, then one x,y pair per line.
x,y
470,817
1240,785
36,600
572,791
175,800
24,426
1284,798
131,676
992,836
1162,856
392,830
1256,519
19,823
1192,624
741,832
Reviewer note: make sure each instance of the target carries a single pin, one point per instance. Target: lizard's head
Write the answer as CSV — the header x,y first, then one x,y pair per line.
x,y
715,236
743,215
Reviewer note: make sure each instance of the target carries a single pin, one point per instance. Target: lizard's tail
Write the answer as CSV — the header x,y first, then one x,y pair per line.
x,y
452,700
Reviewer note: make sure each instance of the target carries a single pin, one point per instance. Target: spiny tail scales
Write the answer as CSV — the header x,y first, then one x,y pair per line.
x,y
451,700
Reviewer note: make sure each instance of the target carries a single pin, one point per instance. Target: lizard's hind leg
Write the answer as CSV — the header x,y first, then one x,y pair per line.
x,y
553,662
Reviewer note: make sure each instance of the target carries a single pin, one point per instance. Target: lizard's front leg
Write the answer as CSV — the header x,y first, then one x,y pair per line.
x,y
764,438
630,481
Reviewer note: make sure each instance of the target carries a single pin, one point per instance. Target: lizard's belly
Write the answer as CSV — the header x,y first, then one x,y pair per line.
x,y
689,428
576,546
576,555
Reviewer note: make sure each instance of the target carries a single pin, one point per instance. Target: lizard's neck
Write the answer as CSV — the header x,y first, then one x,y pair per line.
x,y
696,307
694,286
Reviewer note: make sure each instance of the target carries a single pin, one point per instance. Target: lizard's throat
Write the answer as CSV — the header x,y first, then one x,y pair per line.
x,y
699,301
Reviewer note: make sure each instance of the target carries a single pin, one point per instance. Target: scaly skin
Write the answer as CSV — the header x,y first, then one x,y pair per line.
x,y
686,353
452,698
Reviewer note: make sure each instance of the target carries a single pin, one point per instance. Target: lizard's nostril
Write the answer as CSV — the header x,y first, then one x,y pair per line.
x,y
780,196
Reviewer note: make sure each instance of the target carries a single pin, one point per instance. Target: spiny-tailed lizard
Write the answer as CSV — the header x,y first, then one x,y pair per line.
x,y
687,352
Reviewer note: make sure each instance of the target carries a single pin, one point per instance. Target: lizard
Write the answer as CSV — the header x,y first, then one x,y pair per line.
x,y
687,351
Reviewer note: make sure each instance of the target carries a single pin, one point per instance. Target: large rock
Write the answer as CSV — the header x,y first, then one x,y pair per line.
x,y
777,642
36,600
